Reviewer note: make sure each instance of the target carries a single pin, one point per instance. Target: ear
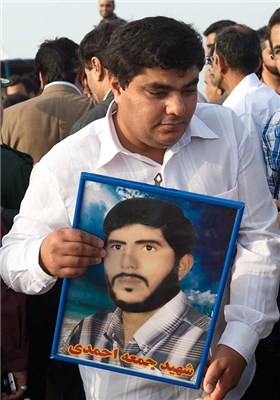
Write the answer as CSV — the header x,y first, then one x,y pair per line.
x,y
42,81
115,86
97,68
221,63
185,265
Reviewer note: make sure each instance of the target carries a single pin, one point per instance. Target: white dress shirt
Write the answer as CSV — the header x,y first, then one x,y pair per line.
x,y
254,102
213,157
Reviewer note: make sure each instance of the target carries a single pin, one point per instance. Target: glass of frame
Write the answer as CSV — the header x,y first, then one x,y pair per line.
x,y
150,308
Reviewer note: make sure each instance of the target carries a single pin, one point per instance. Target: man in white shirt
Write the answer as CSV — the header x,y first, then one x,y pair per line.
x,y
236,61
155,132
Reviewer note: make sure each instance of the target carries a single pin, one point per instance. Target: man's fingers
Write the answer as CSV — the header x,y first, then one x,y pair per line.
x,y
81,250
79,236
212,377
223,373
67,249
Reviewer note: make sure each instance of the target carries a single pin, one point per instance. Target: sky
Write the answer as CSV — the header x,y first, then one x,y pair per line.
x,y
26,24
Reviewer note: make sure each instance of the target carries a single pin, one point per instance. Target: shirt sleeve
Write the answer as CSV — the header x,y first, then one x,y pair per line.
x,y
40,210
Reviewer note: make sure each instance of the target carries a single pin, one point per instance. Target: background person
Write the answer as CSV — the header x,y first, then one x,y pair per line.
x,y
15,171
106,10
92,52
211,32
36,125
216,93
236,61
268,350
12,99
22,84
213,93
268,73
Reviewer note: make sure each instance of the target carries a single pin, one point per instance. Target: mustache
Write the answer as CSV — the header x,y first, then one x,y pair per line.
x,y
173,119
126,275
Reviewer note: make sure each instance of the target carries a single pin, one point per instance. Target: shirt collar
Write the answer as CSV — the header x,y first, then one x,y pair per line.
x,y
111,146
243,87
66,84
166,319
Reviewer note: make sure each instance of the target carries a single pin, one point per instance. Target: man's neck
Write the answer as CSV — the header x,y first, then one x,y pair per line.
x,y
153,153
133,321
231,80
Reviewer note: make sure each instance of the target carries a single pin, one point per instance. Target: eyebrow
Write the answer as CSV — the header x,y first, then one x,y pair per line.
x,y
160,85
142,241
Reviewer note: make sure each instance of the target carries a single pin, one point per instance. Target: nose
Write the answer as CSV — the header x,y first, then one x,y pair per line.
x,y
176,105
128,261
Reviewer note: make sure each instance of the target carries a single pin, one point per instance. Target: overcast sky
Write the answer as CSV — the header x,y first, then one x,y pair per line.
x,y
26,24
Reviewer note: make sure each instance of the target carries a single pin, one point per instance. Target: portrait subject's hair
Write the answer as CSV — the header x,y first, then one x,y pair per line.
x,y
168,217
153,42
240,46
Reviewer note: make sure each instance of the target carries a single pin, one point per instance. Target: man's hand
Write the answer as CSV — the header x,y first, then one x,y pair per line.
x,y
223,373
20,379
67,253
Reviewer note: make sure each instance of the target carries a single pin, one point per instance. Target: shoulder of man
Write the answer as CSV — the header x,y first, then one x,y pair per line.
x,y
15,155
97,112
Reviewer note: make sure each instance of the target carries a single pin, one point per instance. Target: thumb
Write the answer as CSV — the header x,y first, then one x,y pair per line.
x,y
211,378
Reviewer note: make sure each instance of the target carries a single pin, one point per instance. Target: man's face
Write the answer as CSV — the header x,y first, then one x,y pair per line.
x,y
216,72
209,44
275,40
138,259
106,8
211,90
155,109
18,88
268,63
91,83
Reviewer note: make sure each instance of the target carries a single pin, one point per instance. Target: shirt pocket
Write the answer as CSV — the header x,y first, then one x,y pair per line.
x,y
231,194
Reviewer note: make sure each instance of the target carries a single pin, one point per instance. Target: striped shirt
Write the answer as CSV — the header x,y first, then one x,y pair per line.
x,y
170,343
271,148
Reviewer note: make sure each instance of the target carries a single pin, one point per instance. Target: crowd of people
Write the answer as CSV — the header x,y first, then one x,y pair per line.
x,y
124,103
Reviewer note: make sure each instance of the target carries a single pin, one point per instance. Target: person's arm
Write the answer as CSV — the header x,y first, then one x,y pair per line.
x,y
41,245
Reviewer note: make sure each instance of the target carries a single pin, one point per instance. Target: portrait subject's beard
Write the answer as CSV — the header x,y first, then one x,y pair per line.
x,y
165,291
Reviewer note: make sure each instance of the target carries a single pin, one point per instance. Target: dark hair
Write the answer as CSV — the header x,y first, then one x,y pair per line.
x,y
14,98
176,228
217,26
240,46
25,81
263,34
95,42
58,60
274,20
153,42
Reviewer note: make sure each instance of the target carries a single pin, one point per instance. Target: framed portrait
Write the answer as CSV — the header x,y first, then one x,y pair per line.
x,y
150,307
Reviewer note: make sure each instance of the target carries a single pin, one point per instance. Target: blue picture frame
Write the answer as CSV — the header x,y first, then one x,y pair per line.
x,y
216,223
